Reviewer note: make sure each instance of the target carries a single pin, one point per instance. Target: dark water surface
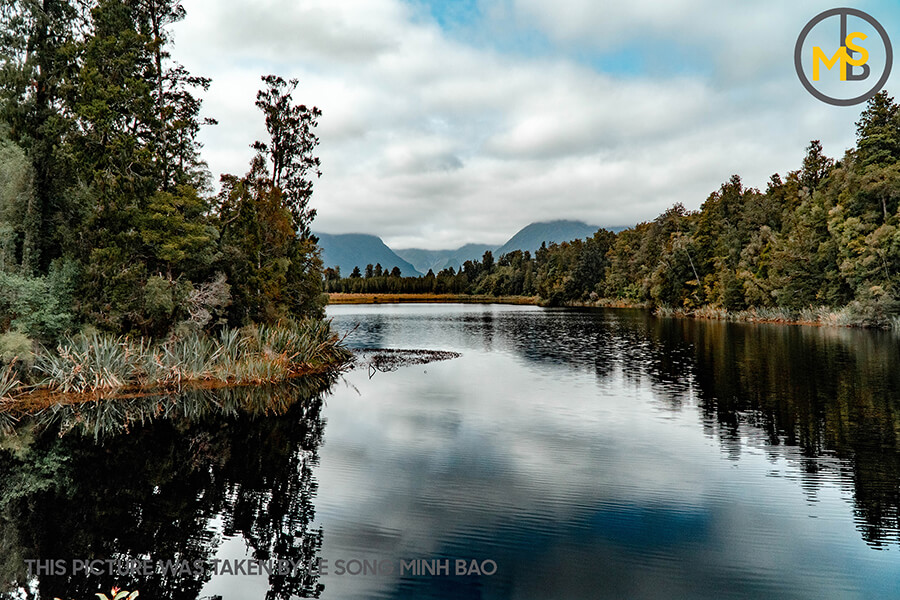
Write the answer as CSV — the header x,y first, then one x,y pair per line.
x,y
586,454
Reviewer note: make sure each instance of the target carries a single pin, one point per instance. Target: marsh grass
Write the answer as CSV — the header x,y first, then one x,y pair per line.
x,y
847,316
9,383
87,363
254,354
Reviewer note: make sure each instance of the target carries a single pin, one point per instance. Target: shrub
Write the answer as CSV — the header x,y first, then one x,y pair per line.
x,y
16,346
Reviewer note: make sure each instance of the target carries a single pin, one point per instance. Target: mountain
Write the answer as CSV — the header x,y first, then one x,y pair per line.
x,y
437,260
531,236
357,250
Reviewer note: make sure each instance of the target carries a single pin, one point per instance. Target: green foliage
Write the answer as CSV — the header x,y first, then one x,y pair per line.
x,y
176,234
878,130
106,216
105,213
38,306
289,151
16,193
16,347
271,260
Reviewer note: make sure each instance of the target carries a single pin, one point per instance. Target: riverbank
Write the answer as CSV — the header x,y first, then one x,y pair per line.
x,y
848,316
88,367
342,298
852,315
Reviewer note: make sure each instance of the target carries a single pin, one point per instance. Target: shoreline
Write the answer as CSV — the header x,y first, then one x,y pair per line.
x,y
340,298
34,401
814,316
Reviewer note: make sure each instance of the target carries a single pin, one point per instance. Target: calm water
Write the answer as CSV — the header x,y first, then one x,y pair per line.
x,y
601,454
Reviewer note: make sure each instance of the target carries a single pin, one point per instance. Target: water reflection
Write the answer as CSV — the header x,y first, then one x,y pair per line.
x,y
832,393
591,454
825,399
191,471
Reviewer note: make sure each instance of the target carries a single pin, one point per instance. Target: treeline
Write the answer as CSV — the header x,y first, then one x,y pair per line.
x,y
375,280
824,235
107,215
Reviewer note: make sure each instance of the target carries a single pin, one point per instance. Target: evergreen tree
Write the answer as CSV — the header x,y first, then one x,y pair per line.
x,y
290,148
878,130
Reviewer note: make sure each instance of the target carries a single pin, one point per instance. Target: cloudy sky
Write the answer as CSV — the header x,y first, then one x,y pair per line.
x,y
462,121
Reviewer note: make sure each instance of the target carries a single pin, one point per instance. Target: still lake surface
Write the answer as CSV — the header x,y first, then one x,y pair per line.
x,y
586,454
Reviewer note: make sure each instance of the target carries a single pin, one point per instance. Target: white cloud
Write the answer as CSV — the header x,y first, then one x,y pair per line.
x,y
429,141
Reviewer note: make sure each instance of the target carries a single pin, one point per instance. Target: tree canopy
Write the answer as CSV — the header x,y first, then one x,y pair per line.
x,y
104,185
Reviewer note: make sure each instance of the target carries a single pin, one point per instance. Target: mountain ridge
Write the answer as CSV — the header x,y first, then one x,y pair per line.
x,y
349,250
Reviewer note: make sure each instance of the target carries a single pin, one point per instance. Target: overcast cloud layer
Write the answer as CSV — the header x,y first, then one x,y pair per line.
x,y
443,126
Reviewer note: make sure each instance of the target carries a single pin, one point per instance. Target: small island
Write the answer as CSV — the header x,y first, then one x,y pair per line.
x,y
122,268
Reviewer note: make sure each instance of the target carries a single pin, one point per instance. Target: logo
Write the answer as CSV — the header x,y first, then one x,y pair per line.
x,y
838,39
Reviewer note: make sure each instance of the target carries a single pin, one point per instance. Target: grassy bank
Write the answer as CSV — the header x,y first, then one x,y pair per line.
x,y
94,364
848,316
856,314
341,298
852,315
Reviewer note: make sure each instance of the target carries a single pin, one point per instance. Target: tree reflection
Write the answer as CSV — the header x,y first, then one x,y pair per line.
x,y
834,394
189,470
826,398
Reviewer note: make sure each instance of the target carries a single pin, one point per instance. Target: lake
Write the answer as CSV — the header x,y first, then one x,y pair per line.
x,y
564,454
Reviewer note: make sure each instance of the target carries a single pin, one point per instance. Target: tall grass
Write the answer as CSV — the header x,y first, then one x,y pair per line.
x,y
852,315
254,354
87,363
9,383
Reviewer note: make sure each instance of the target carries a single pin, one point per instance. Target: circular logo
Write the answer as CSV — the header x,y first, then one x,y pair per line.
x,y
844,56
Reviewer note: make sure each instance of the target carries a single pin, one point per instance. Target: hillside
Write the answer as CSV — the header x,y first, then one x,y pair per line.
x,y
437,260
532,236
358,249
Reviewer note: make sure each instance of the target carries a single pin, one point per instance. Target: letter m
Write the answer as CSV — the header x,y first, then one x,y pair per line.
x,y
819,55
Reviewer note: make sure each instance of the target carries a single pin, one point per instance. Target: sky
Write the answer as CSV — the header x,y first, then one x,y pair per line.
x,y
445,123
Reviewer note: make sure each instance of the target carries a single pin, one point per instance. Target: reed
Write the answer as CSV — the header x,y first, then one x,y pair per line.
x,y
87,363
254,354
9,383
852,315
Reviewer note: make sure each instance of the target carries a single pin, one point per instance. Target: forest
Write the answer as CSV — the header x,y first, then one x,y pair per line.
x,y
820,243
109,221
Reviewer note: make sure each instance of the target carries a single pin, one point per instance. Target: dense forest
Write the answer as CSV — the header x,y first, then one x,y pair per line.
x,y
108,219
822,240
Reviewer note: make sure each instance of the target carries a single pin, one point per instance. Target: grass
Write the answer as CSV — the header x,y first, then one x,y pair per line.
x,y
8,382
255,354
847,316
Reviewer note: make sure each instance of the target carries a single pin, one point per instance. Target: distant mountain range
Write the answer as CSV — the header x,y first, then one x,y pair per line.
x,y
532,236
438,260
350,250
356,249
